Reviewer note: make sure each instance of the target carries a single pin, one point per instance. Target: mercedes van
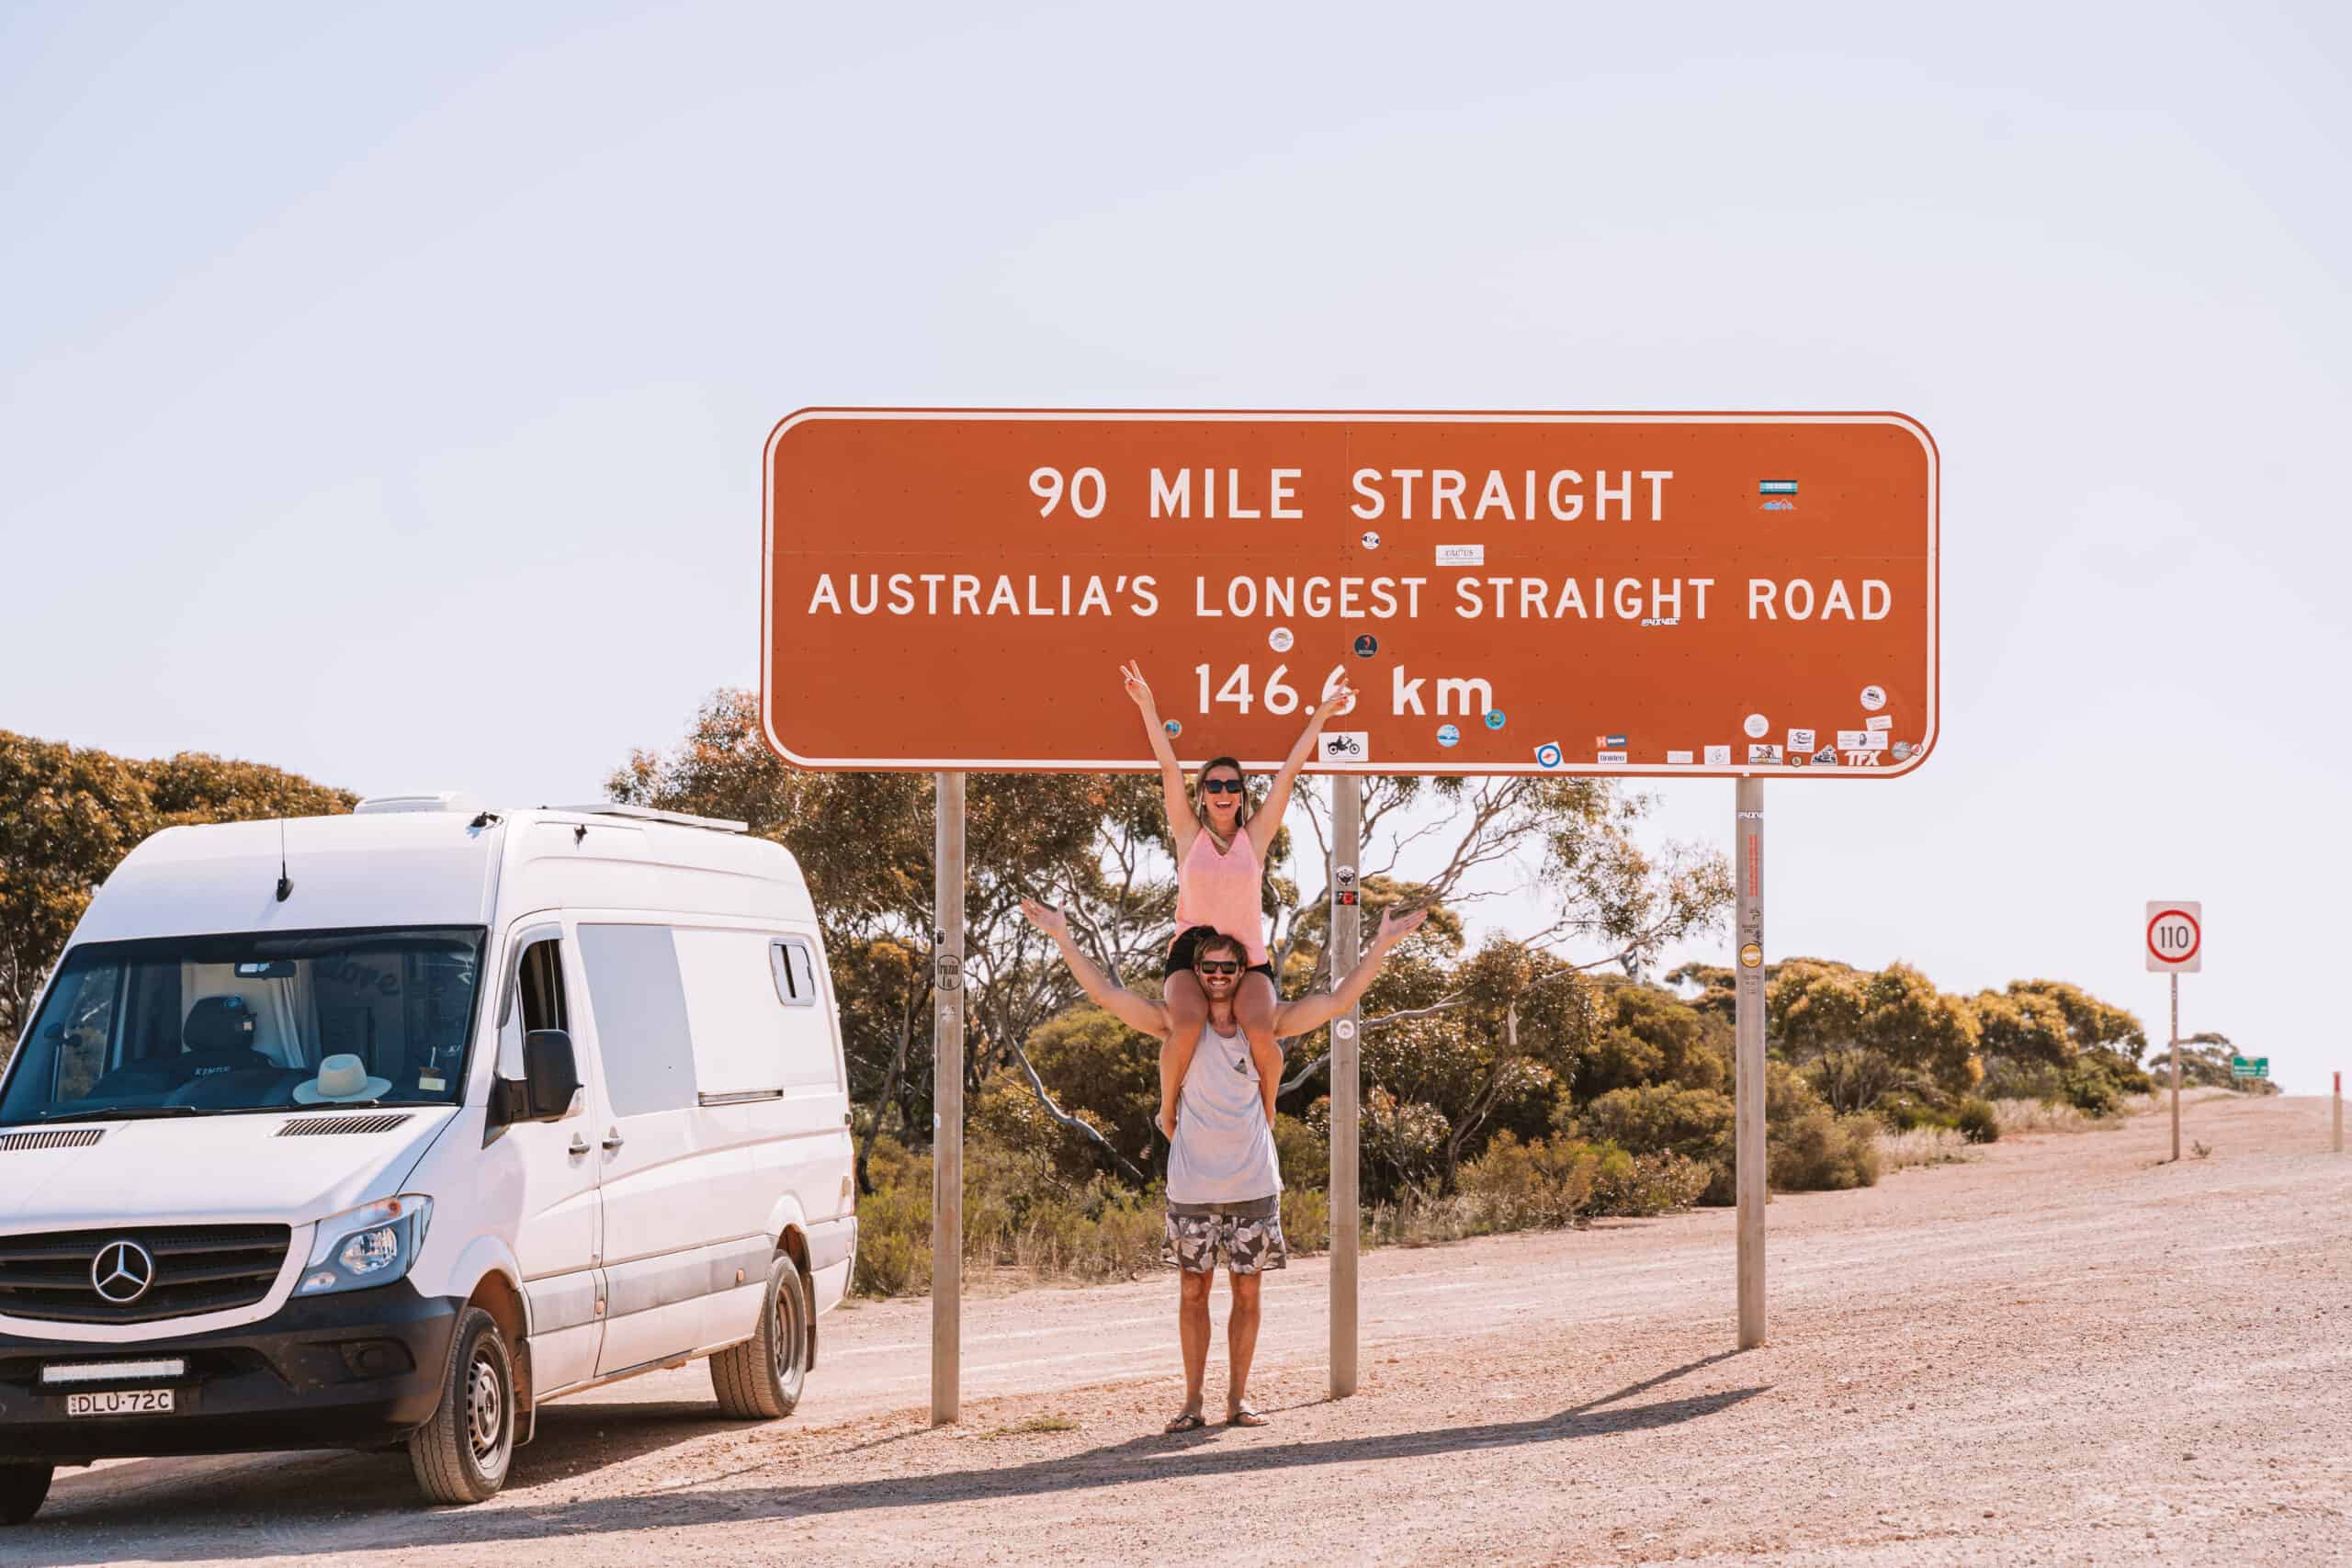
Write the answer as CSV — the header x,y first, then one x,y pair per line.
x,y
383,1130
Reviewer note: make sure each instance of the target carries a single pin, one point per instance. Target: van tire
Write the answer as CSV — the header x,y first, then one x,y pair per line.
x,y
463,1453
23,1488
760,1379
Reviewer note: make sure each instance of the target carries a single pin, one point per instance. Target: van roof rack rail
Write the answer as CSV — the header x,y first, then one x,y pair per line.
x,y
647,813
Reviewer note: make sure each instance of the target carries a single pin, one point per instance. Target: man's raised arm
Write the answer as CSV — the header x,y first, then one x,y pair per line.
x,y
1313,1011
1136,1012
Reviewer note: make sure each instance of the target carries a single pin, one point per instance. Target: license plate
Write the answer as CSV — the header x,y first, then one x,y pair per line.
x,y
122,1402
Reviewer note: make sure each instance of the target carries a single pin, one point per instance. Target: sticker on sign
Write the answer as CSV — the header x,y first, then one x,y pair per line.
x,y
2176,936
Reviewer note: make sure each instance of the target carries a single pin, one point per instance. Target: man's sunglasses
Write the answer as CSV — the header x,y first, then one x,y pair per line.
x,y
1221,787
1219,966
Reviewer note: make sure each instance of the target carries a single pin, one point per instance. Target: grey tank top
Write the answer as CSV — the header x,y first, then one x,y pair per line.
x,y
1224,1151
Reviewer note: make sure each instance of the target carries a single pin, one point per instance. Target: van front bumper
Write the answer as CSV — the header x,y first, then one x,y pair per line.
x,y
357,1370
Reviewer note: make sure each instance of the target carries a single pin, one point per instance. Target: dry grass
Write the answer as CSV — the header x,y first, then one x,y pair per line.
x,y
2019,1118
2150,1104
1922,1145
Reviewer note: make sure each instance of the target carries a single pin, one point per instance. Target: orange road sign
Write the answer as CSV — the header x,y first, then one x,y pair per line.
x,y
1675,595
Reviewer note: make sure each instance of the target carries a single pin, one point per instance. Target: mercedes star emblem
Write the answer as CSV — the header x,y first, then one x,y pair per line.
x,y
122,1272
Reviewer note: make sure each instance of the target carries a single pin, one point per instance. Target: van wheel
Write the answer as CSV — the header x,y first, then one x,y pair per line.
x,y
461,1455
22,1487
760,1380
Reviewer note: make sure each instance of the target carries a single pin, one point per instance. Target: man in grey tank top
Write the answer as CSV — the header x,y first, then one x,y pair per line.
x,y
1224,1182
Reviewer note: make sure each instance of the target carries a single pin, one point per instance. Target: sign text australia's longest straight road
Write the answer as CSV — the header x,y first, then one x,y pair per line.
x,y
1670,593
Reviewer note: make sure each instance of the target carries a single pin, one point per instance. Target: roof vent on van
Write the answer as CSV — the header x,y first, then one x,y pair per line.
x,y
647,813
53,1138
462,802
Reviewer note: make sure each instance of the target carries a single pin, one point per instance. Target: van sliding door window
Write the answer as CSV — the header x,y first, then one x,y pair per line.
x,y
642,1035
794,971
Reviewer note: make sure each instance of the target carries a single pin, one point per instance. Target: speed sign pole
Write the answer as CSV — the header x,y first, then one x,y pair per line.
x,y
2175,942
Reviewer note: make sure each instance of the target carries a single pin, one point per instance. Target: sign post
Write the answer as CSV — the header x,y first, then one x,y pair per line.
x,y
1634,594
1347,1078
947,1105
1747,1053
2175,943
2339,1113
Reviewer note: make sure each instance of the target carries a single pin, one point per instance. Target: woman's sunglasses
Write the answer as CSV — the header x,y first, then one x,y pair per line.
x,y
1221,787
1219,966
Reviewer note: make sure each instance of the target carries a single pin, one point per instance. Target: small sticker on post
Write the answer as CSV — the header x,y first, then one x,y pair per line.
x,y
1461,555
1757,726
1279,639
1879,721
1679,758
1752,956
1719,756
1345,1029
1800,740
1873,698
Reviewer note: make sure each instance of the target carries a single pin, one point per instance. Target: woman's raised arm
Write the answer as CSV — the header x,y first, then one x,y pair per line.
x,y
1183,826
1267,820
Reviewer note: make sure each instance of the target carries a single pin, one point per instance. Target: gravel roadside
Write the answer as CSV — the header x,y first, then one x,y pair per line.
x,y
2065,1352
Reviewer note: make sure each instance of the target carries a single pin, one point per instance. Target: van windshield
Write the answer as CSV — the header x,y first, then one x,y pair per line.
x,y
283,1020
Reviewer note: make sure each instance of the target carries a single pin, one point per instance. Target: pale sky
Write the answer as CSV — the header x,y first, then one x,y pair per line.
x,y
385,390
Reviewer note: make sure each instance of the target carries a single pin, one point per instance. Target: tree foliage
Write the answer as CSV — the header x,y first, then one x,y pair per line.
x,y
69,814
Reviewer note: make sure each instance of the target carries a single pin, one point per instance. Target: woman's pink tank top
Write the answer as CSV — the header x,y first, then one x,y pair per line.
x,y
1222,890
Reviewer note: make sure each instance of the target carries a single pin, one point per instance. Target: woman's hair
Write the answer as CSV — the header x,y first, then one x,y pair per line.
x,y
1199,801
1216,942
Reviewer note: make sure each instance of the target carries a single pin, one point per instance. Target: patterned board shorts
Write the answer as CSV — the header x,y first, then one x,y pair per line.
x,y
1201,1244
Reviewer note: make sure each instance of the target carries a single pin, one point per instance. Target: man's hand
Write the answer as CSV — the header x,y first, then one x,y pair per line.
x,y
1395,925
1138,689
1052,921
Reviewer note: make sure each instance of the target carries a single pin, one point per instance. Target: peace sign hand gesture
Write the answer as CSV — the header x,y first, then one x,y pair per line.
x,y
1138,689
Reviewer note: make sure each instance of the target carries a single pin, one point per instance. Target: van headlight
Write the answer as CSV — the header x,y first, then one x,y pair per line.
x,y
372,1245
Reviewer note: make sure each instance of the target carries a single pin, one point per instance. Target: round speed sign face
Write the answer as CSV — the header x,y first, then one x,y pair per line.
x,y
2176,937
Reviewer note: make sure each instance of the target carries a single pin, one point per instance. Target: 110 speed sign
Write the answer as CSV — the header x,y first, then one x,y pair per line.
x,y
2176,936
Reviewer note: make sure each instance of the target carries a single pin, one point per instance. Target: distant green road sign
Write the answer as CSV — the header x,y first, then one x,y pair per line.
x,y
2249,1066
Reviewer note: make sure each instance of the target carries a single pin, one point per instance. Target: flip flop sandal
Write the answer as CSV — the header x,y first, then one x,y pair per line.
x,y
1188,1422
1247,1415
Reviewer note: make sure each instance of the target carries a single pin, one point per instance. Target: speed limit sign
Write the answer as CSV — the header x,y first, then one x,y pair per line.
x,y
2176,936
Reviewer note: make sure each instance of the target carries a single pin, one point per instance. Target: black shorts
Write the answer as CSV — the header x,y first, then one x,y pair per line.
x,y
1181,956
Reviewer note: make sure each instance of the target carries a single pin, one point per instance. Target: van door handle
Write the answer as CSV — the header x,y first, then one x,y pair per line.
x,y
613,1140
579,1145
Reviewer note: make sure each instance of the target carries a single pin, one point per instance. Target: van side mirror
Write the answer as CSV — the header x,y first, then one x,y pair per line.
x,y
550,1078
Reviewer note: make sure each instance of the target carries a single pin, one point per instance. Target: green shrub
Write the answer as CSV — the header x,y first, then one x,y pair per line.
x,y
1659,1118
1978,1121
1304,1153
1518,1186
1901,1112
894,1225
1820,1152
1636,1185
1306,1219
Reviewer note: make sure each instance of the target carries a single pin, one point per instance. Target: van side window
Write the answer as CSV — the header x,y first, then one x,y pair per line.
x,y
539,982
795,972
642,1035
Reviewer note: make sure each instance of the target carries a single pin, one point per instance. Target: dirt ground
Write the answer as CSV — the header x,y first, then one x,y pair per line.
x,y
2065,1352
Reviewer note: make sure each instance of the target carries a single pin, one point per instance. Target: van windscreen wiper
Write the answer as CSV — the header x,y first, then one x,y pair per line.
x,y
122,1114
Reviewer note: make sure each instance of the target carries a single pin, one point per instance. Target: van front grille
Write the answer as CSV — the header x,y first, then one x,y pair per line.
x,y
54,1275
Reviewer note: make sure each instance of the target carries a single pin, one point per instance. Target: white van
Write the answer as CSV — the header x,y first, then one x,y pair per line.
x,y
357,1131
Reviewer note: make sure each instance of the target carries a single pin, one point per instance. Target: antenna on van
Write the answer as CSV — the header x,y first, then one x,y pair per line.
x,y
285,882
